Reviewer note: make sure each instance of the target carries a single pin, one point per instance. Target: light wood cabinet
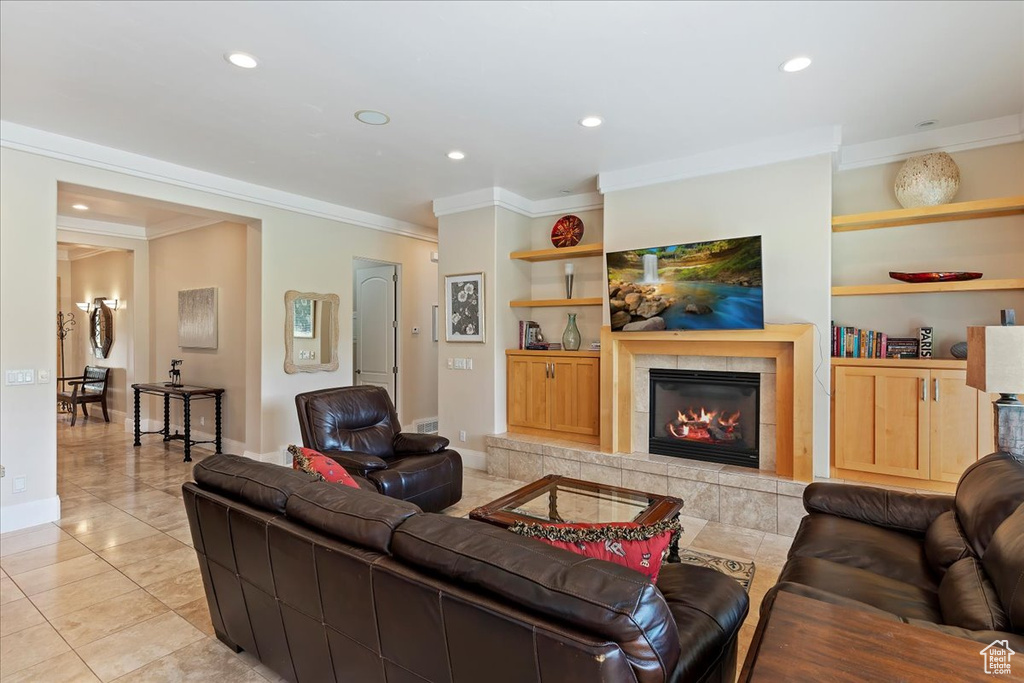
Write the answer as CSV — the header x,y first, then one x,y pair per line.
x,y
557,393
917,423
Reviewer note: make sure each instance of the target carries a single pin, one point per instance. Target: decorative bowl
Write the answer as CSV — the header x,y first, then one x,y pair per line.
x,y
936,276
567,231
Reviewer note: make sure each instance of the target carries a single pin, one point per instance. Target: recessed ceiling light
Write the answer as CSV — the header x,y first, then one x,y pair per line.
x,y
566,191
242,60
371,117
591,121
795,64
926,124
79,207
456,155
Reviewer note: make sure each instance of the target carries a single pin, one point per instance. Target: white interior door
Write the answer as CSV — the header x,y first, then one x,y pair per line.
x,y
376,328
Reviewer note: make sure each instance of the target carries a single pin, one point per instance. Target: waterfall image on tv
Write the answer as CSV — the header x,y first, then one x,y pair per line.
x,y
712,285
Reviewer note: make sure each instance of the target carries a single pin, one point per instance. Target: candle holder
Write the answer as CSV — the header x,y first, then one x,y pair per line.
x,y
568,285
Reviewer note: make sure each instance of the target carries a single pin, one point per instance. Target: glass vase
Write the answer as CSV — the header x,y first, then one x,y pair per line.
x,y
571,337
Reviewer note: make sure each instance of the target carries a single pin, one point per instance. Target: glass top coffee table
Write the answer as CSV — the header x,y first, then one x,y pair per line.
x,y
555,499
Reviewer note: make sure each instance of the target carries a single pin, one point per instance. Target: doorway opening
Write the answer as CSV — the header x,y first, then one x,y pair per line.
x,y
375,325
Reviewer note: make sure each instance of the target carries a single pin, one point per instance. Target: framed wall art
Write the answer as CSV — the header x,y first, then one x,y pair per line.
x,y
464,308
197,318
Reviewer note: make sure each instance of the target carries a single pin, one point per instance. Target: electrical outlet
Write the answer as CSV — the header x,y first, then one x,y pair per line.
x,y
469,363
451,364
43,377
462,435
19,485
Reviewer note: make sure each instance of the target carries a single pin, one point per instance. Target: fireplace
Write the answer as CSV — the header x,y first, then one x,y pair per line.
x,y
705,415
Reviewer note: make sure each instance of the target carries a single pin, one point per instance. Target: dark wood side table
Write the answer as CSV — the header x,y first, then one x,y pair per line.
x,y
185,394
802,639
555,499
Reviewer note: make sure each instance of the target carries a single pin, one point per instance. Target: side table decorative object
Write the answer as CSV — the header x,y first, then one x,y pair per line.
x,y
927,180
571,340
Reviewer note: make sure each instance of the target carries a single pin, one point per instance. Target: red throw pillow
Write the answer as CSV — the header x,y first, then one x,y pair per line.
x,y
641,547
320,466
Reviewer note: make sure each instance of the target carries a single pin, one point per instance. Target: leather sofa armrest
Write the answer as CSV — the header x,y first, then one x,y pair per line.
x,y
411,444
879,507
356,462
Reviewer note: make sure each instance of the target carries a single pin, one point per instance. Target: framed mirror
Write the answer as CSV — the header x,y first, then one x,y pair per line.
x,y
311,331
101,328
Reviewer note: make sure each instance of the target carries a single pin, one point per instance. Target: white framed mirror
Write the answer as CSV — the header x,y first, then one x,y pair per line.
x,y
311,331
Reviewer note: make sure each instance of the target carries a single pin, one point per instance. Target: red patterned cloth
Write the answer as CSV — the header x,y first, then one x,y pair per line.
x,y
641,547
319,465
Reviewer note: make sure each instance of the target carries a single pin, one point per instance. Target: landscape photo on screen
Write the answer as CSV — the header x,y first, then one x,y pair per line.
x,y
713,285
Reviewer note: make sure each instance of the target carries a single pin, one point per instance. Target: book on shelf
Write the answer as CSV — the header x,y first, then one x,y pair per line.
x,y
854,342
544,346
528,331
902,347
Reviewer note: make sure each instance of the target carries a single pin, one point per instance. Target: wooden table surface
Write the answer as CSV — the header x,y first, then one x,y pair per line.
x,y
809,640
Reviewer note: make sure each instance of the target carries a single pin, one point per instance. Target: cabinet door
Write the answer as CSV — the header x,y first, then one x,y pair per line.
x,y
882,420
528,392
956,430
575,396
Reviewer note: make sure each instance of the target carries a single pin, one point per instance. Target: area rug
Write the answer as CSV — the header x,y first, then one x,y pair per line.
x,y
742,572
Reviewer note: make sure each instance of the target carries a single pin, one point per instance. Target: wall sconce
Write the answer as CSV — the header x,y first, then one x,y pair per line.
x,y
84,305
110,303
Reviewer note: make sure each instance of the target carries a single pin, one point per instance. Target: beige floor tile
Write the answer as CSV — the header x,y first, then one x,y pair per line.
x,y
65,668
17,616
774,549
142,549
180,589
743,643
118,535
110,616
68,571
43,557
94,524
161,568
29,647
197,613
723,539
204,660
691,527
138,645
182,533
168,520
46,535
9,591
81,594
27,530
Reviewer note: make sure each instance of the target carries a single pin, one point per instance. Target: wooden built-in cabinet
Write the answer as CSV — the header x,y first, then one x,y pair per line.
x,y
555,393
916,423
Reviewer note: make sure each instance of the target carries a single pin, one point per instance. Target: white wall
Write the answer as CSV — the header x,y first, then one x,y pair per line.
x,y
788,204
298,251
993,246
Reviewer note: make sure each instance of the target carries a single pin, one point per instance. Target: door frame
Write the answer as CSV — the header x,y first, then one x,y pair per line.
x,y
398,317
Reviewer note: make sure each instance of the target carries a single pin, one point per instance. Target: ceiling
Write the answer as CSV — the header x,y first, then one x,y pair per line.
x,y
113,207
504,82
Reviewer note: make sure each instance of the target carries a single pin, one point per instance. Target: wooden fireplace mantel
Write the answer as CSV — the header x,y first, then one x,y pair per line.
x,y
792,347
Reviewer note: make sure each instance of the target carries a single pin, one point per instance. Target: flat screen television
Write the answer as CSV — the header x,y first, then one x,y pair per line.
x,y
713,285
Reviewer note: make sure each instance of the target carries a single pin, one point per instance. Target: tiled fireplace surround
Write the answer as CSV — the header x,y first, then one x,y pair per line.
x,y
741,496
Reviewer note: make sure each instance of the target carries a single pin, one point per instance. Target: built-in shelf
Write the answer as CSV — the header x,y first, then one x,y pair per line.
x,y
926,287
547,303
584,353
579,251
982,208
934,363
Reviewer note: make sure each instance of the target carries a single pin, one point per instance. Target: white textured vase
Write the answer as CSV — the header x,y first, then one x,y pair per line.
x,y
927,180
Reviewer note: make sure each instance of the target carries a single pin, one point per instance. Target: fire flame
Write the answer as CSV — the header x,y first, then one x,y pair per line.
x,y
703,425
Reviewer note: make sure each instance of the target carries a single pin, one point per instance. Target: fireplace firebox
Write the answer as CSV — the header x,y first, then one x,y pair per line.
x,y
705,415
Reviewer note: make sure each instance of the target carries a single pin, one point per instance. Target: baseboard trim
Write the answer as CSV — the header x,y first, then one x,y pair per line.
x,y
474,460
148,425
32,513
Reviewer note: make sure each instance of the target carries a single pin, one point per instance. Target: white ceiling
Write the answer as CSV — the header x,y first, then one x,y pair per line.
x,y
504,82
114,207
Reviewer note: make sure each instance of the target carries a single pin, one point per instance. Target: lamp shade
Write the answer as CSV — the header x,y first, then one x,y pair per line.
x,y
995,359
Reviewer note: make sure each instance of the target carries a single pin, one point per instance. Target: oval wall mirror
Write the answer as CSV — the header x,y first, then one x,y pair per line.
x,y
101,328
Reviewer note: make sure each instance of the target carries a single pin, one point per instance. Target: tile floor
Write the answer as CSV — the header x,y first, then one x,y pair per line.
x,y
112,590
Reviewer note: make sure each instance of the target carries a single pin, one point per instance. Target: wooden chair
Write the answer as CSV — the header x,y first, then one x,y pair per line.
x,y
90,387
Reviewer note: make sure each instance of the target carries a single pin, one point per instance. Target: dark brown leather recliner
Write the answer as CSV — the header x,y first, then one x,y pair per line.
x,y
358,427
324,583
949,563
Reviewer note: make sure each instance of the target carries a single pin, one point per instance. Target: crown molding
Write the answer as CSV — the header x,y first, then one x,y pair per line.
x,y
773,150
44,143
173,226
94,227
89,253
999,131
62,255
506,199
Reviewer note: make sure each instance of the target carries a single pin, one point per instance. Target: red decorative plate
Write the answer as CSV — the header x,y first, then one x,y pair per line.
x,y
934,277
567,231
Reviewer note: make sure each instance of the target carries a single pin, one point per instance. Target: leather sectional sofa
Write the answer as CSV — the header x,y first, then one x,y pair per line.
x,y
950,563
323,582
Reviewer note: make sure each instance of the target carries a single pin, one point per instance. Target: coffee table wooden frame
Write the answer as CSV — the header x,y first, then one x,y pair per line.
x,y
659,507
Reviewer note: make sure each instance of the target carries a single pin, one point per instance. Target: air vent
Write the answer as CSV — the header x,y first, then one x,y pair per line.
x,y
427,426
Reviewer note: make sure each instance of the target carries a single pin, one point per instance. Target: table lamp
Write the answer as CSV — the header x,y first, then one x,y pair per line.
x,y
995,364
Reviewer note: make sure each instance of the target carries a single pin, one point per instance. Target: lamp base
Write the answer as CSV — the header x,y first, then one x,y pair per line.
x,y
1010,425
